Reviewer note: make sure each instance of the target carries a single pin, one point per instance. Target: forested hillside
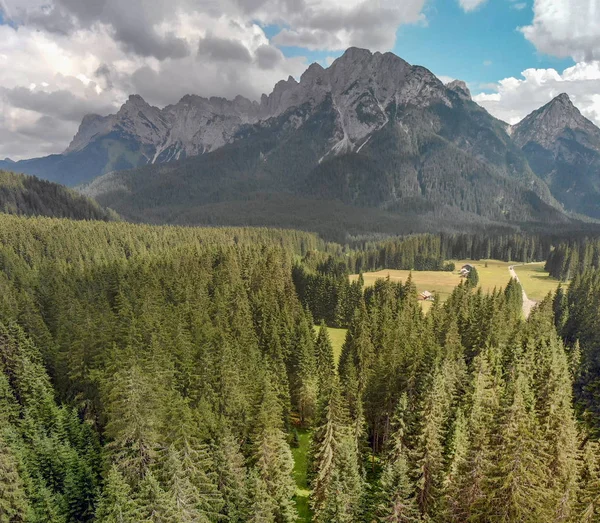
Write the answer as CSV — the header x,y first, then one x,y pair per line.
x,y
30,196
160,374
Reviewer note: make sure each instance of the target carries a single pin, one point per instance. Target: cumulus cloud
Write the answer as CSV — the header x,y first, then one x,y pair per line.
x,y
61,59
471,5
566,28
515,98
336,25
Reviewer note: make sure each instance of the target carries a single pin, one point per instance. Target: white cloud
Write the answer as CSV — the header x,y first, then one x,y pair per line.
x,y
99,52
445,79
487,63
519,6
515,98
566,28
471,5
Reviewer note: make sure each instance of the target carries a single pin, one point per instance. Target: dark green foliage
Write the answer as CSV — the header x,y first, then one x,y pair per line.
x,y
159,375
573,257
473,278
30,196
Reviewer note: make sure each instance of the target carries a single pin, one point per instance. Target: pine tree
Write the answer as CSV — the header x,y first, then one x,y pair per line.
x,y
14,506
116,504
396,501
337,484
273,457
516,487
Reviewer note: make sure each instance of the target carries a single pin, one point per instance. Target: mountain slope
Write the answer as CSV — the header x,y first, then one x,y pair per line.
x,y
371,131
563,148
30,196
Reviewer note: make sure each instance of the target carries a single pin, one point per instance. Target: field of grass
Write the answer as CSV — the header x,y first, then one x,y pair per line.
x,y
300,473
438,282
492,274
495,275
337,337
535,280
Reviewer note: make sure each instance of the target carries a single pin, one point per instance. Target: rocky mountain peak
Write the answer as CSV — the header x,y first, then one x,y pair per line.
x,y
545,125
91,126
460,88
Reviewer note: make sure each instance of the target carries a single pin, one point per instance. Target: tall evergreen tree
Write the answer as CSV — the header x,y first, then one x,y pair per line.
x,y
116,504
516,488
337,484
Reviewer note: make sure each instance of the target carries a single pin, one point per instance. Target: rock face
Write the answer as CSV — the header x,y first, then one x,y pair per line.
x,y
361,86
370,130
563,148
460,88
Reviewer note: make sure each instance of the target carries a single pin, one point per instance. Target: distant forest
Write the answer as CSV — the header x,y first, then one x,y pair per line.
x,y
165,374
31,196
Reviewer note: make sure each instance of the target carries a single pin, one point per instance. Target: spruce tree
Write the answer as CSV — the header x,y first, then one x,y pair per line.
x,y
396,501
337,484
116,504
516,487
470,467
429,452
273,458
14,505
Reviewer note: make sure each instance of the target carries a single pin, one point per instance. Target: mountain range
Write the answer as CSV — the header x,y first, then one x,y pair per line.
x,y
370,143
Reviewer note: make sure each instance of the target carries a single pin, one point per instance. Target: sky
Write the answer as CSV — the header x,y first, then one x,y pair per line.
x,y
62,59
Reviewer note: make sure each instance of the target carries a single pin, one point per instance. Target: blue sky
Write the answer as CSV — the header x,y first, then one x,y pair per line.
x,y
480,47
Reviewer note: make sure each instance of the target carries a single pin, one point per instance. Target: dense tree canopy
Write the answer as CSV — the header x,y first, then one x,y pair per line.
x,y
159,374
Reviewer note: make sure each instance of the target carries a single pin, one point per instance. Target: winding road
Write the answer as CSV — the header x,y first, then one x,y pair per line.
x,y
527,303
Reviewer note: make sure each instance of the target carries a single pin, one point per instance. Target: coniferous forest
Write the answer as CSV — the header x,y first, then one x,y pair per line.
x,y
165,374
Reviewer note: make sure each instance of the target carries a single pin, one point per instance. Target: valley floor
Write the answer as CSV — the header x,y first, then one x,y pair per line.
x,y
493,274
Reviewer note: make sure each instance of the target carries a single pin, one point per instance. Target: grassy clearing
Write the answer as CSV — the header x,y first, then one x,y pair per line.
x,y
535,280
439,282
492,274
337,337
495,275
300,473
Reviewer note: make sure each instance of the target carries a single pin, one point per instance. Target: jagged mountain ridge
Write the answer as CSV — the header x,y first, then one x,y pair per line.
x,y
371,131
361,86
563,148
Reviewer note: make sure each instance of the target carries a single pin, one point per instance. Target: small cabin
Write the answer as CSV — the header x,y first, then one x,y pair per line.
x,y
426,296
465,270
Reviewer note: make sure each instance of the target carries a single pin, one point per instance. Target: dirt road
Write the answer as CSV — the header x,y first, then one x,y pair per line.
x,y
527,303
